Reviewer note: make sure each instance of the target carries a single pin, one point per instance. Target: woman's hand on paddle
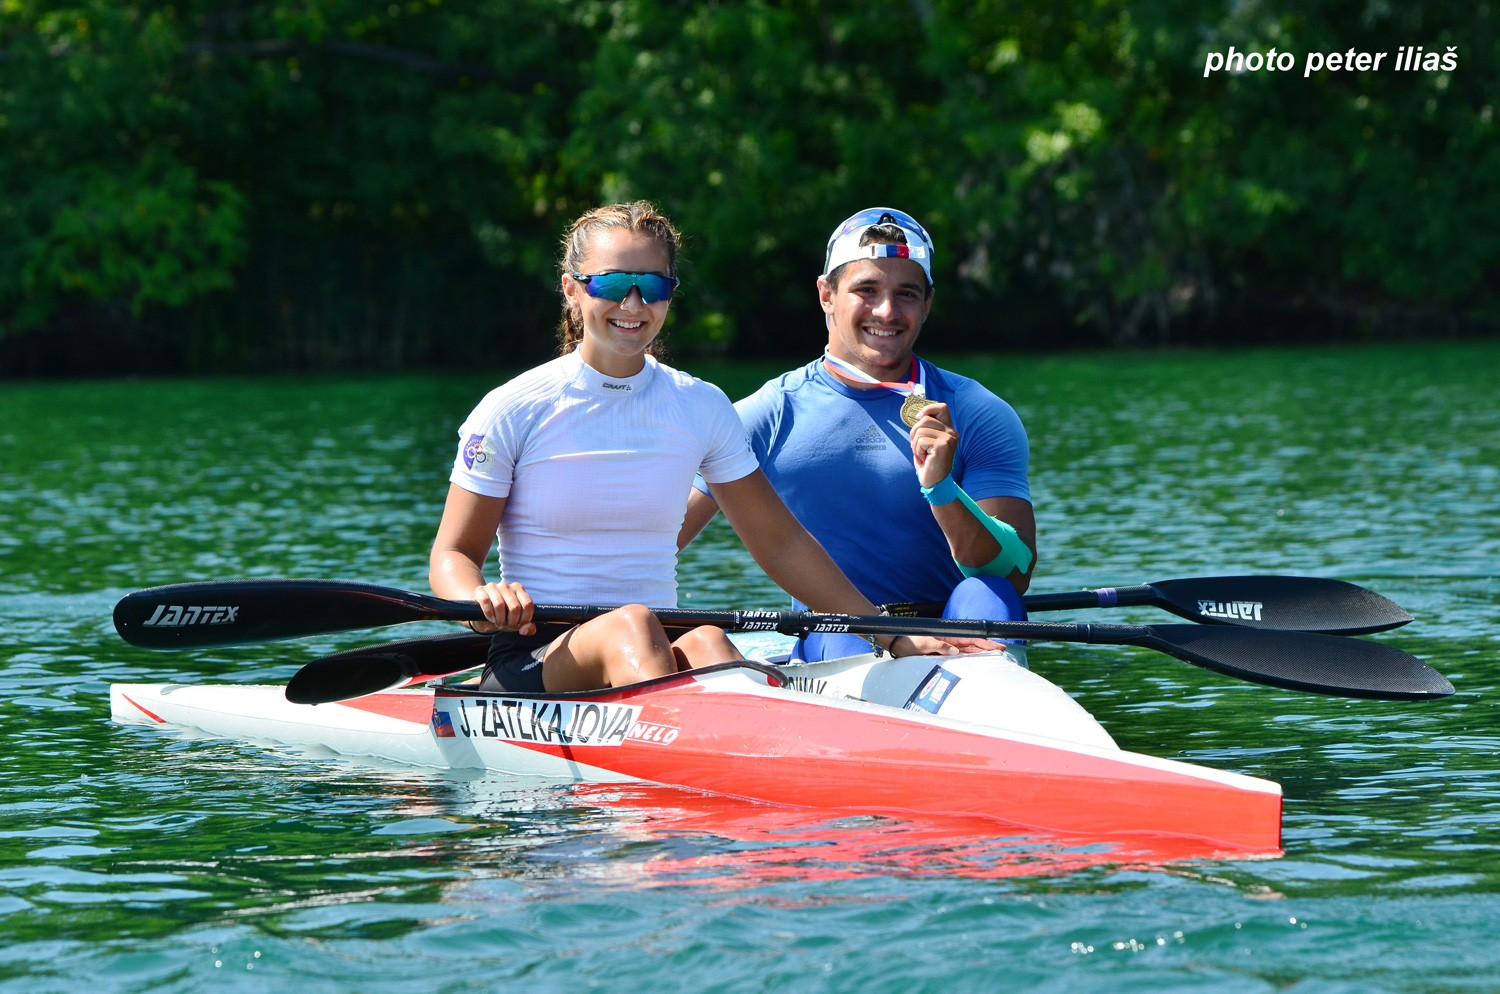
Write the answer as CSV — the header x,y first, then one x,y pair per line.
x,y
924,645
933,444
507,606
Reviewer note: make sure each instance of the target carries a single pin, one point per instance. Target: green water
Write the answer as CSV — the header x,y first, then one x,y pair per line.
x,y
136,859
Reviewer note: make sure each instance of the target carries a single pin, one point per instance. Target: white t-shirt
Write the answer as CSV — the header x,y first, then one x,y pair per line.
x,y
596,473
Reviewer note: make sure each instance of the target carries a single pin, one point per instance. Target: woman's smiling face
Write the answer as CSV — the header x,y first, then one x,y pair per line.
x,y
616,334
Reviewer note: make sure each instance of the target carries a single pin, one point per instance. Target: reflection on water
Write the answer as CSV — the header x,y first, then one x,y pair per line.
x,y
138,860
649,835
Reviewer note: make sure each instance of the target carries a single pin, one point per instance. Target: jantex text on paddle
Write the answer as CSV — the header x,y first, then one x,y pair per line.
x,y
178,615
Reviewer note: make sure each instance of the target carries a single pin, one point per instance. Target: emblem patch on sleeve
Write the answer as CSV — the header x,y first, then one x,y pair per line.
x,y
477,453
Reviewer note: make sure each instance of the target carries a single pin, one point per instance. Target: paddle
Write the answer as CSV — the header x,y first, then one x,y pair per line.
x,y
370,670
1324,664
1306,661
1290,603
204,614
189,615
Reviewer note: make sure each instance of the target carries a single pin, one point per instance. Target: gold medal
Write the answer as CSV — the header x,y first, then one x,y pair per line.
x,y
912,407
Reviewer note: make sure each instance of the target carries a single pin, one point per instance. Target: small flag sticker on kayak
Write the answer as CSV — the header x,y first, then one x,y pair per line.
x,y
933,691
442,724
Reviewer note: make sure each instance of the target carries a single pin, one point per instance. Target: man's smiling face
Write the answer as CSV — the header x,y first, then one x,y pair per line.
x,y
876,313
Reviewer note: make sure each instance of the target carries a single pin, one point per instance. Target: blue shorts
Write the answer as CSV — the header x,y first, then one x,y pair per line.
x,y
986,598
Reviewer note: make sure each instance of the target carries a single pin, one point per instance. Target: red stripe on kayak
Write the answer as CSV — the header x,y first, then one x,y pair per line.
x,y
416,708
792,752
149,714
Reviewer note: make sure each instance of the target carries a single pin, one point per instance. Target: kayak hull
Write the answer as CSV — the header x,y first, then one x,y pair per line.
x,y
976,736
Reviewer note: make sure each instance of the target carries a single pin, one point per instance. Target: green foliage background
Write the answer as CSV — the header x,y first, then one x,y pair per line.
x,y
331,184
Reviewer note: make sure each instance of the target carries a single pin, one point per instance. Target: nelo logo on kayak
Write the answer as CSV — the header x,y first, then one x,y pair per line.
x,y
1231,610
179,616
647,731
547,722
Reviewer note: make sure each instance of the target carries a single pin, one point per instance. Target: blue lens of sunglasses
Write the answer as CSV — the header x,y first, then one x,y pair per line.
x,y
616,286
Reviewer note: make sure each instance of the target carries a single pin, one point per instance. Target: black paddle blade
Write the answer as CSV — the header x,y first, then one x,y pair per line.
x,y
1291,603
1320,664
355,673
188,615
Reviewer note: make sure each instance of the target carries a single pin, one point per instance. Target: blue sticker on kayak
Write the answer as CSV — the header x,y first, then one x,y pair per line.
x,y
933,691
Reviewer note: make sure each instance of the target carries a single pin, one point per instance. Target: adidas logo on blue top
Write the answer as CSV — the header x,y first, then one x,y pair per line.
x,y
870,439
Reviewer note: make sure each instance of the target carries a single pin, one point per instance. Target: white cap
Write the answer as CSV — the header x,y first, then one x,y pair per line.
x,y
843,244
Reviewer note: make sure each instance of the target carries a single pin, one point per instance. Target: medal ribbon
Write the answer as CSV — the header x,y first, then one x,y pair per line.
x,y
917,385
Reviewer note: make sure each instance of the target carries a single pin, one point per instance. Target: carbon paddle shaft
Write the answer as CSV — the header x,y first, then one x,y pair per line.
x,y
1305,661
1288,603
1302,661
208,614
188,615
1294,660
232,612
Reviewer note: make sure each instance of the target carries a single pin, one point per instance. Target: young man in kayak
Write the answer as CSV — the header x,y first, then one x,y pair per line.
x,y
869,445
582,467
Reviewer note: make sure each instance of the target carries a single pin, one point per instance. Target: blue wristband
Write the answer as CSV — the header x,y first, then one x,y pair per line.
x,y
944,491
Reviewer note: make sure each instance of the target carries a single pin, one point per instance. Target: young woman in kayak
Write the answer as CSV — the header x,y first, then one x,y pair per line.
x,y
582,467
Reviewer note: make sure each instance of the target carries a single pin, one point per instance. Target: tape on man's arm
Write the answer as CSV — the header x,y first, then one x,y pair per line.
x,y
1014,553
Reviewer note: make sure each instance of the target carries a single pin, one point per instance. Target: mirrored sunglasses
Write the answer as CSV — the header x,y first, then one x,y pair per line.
x,y
616,286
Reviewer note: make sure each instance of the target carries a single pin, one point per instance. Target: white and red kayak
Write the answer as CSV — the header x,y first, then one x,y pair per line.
x,y
975,735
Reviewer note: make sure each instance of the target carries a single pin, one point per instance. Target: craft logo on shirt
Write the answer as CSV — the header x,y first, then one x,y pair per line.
x,y
872,439
478,453
623,387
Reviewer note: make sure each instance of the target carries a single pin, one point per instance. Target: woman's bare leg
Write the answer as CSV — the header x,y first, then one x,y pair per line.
x,y
627,645
703,647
